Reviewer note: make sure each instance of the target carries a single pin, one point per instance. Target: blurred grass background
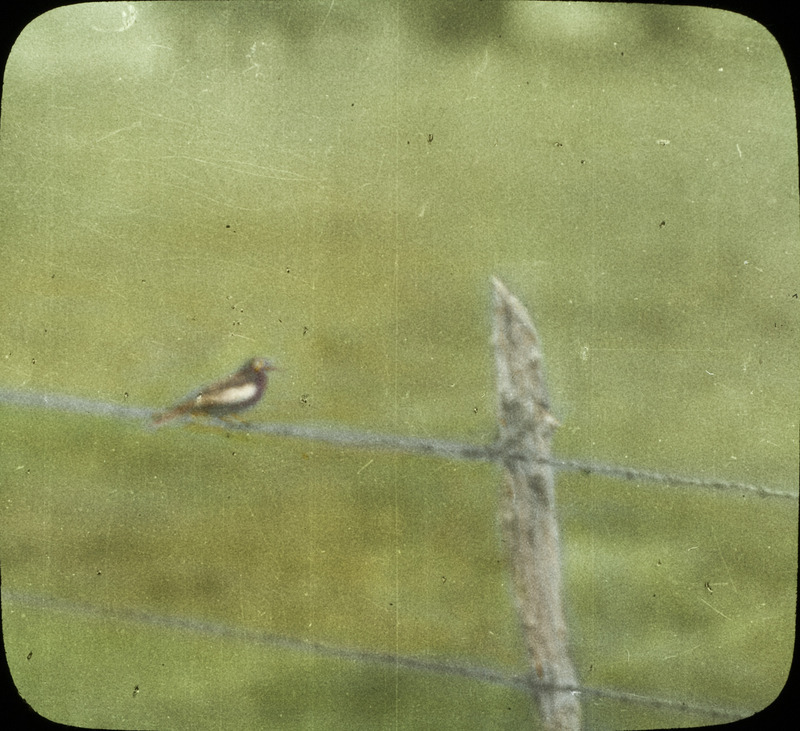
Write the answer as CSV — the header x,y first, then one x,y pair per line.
x,y
186,185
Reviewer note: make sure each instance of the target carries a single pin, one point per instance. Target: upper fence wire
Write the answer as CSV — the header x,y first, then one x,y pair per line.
x,y
422,446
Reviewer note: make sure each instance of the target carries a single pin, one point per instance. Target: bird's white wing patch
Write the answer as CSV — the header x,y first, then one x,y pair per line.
x,y
234,395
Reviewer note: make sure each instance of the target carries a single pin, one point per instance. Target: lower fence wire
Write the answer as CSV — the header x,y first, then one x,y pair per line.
x,y
198,627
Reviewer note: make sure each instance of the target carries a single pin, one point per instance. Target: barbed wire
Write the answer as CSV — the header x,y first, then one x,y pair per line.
x,y
431,447
494,676
425,446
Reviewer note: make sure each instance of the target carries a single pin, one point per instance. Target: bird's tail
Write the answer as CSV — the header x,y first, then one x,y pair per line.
x,y
169,414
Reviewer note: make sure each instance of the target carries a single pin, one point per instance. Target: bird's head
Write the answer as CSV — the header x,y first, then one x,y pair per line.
x,y
262,364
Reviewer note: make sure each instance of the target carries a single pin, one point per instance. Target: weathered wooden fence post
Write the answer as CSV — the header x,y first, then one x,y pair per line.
x,y
528,514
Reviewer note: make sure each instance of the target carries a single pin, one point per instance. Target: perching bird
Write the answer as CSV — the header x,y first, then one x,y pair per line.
x,y
234,393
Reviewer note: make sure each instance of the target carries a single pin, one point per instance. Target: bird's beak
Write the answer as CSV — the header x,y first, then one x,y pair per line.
x,y
265,365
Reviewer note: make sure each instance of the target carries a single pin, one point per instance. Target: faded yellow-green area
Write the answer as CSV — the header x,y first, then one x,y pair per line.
x,y
332,185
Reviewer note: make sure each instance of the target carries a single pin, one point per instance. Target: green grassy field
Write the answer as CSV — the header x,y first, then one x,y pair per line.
x,y
333,186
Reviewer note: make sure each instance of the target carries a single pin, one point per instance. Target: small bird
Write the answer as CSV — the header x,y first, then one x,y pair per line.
x,y
232,394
